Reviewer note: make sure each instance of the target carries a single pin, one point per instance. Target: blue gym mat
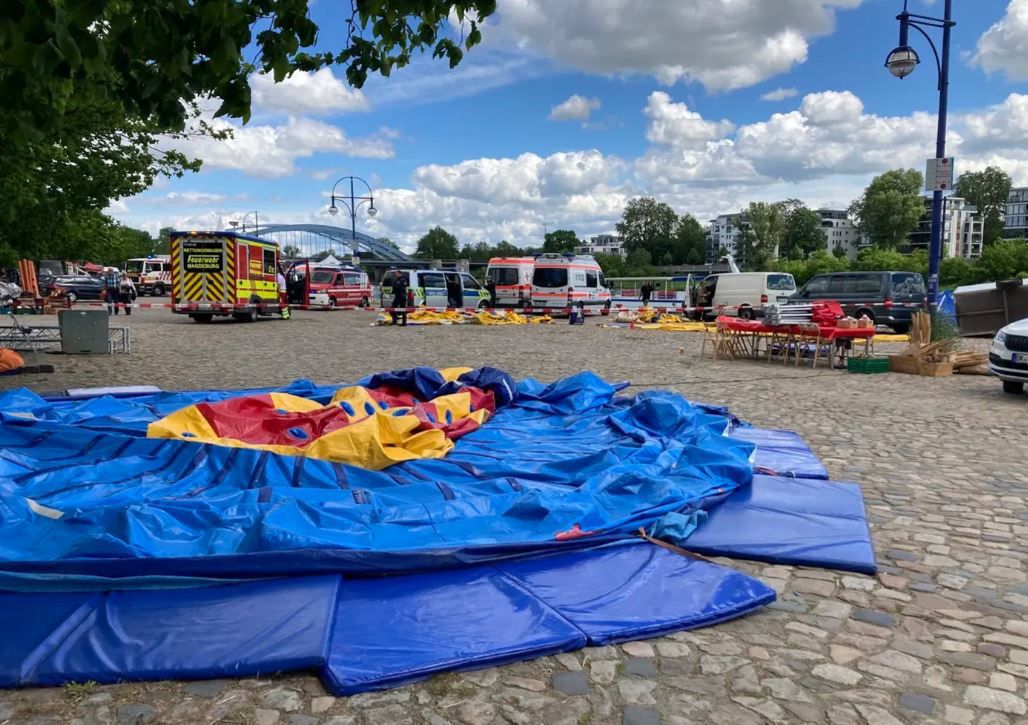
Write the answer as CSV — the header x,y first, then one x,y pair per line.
x,y
799,521
780,452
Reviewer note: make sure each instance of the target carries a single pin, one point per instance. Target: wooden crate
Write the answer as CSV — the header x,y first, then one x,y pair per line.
x,y
904,364
935,369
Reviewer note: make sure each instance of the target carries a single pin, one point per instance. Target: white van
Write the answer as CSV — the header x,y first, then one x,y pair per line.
x,y
744,293
564,280
513,279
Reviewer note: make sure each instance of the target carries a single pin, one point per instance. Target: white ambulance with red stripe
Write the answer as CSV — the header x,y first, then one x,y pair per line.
x,y
569,280
513,279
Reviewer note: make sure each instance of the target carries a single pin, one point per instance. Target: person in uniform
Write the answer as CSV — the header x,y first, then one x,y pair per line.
x,y
399,298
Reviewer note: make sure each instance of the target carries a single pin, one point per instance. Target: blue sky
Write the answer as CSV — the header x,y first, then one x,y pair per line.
x,y
661,98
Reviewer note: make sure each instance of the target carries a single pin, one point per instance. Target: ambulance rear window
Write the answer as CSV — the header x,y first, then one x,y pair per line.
x,y
504,275
550,277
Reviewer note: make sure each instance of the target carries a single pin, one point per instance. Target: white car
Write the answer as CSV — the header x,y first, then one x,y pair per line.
x,y
1008,359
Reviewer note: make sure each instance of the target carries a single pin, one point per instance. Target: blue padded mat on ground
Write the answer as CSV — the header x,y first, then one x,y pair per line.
x,y
799,521
396,630
634,591
226,631
781,453
33,624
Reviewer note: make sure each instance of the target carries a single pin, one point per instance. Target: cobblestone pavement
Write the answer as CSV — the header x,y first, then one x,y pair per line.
x,y
939,636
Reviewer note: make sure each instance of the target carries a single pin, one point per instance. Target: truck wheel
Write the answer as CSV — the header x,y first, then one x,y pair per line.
x,y
901,329
1013,387
869,313
202,319
747,313
158,290
365,302
332,302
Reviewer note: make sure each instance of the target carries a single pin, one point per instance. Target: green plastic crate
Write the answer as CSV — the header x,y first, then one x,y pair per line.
x,y
868,365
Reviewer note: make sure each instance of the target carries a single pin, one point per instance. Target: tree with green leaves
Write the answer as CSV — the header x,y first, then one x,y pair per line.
x,y
611,264
158,57
804,233
752,256
988,190
560,241
767,220
648,224
291,251
690,242
438,243
506,249
890,207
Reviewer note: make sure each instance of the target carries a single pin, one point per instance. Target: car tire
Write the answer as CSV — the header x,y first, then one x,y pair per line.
x,y
1013,387
483,305
203,319
901,329
72,297
365,302
870,315
158,290
332,302
747,313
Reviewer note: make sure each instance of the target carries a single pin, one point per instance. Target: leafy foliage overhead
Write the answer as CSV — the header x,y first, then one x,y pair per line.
x,y
157,55
890,207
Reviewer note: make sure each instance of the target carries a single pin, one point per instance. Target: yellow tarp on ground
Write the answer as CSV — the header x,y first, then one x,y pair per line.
x,y
427,317
510,317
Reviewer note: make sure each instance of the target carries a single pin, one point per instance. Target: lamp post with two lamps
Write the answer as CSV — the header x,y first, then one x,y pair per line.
x,y
355,203
901,62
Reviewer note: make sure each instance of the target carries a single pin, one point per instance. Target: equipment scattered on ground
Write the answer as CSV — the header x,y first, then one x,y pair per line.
x,y
927,358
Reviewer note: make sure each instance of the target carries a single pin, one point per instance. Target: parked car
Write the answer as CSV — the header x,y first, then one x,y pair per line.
x,y
431,288
77,287
745,293
1008,359
886,298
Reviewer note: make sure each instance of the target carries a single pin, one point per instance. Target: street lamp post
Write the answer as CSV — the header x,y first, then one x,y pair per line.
x,y
901,62
353,206
256,222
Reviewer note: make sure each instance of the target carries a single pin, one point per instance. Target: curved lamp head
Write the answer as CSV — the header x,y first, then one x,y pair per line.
x,y
333,210
372,211
902,61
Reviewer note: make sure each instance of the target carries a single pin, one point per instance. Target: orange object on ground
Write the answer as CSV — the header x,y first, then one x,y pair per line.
x,y
10,360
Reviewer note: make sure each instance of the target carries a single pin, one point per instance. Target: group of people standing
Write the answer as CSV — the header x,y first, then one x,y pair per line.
x,y
119,291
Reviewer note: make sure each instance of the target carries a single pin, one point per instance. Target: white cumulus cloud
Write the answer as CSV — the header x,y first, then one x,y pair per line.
x,y
272,150
721,44
575,108
673,124
779,94
1004,46
314,93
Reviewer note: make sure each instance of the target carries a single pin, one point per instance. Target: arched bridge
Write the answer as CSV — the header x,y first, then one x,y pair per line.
x,y
314,238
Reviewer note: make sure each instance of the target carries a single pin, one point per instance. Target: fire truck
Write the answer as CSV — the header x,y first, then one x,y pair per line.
x,y
151,275
224,273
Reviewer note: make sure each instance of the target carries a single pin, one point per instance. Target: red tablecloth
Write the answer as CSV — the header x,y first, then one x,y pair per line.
x,y
737,324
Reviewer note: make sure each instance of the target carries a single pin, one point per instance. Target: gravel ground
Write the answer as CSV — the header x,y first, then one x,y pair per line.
x,y
939,636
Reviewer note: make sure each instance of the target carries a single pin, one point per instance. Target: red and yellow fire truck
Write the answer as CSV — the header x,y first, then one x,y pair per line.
x,y
224,273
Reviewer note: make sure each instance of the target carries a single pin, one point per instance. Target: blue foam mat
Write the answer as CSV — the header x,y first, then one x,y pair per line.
x,y
33,624
634,591
429,623
781,452
799,521
227,631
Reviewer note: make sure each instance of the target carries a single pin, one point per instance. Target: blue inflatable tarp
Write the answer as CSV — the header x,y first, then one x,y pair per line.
x,y
590,467
522,541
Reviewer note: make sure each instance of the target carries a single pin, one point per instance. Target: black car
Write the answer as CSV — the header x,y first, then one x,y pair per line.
x,y
887,298
76,287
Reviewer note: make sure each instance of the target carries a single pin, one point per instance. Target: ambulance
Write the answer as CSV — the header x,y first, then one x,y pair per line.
x,y
225,273
513,279
569,280
151,275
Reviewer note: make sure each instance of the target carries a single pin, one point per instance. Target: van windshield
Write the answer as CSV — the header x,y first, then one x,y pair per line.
x,y
550,277
504,275
781,282
134,265
322,276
